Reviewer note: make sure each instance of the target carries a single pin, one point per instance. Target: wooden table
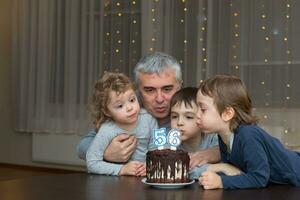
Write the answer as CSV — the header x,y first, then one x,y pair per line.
x,y
87,186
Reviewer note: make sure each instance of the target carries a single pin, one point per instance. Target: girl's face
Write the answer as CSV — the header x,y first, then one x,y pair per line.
x,y
208,117
184,119
123,108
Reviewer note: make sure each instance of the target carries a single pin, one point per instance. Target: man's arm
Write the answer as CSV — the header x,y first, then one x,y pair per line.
x,y
210,155
119,150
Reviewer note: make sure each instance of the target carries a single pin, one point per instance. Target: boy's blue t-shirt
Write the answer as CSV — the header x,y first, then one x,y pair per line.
x,y
261,157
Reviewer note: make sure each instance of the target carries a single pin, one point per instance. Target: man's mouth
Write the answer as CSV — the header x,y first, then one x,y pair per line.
x,y
160,109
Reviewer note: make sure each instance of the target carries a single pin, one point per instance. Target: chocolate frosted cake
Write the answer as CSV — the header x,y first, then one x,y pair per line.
x,y
167,166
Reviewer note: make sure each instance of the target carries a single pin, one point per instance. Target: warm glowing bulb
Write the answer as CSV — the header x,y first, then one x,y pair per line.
x,y
263,28
263,16
185,9
285,39
119,14
117,50
288,85
184,41
118,4
153,39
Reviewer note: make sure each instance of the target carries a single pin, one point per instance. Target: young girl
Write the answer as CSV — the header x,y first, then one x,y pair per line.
x,y
183,117
225,108
116,110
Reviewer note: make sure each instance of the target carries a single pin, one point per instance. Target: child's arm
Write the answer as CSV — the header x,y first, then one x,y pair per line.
x,y
225,168
94,156
251,157
134,168
210,180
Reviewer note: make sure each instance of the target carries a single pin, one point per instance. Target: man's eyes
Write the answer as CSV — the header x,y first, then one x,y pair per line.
x,y
148,90
168,89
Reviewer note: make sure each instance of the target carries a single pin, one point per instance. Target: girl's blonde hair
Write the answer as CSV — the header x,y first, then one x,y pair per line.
x,y
229,91
110,81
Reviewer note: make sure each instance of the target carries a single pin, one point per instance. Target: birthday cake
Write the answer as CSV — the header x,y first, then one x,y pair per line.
x,y
167,166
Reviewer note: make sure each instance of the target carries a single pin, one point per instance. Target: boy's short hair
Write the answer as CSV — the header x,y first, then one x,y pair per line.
x,y
230,91
185,95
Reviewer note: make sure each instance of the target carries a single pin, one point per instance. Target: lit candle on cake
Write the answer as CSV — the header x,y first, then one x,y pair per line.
x,y
174,138
160,138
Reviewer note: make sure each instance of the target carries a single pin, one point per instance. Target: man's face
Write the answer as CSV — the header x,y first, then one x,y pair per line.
x,y
156,92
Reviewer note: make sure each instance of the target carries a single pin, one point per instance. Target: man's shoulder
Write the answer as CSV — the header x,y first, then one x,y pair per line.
x,y
145,113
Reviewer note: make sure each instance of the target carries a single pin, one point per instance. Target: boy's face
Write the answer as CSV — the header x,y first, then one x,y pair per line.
x,y
123,108
208,117
184,119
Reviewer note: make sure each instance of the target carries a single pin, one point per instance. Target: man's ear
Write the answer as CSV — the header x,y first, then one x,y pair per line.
x,y
228,114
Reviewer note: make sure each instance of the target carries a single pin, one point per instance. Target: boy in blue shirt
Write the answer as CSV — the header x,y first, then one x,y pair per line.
x,y
225,108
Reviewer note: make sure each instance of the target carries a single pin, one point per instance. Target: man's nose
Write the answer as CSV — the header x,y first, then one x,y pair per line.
x,y
159,97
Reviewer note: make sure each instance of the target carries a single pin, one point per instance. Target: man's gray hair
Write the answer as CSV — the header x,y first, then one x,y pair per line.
x,y
157,63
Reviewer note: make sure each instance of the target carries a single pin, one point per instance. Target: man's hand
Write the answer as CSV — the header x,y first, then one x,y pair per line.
x,y
210,180
133,168
120,148
211,155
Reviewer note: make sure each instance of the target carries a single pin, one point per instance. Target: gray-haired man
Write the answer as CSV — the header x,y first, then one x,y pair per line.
x,y
158,76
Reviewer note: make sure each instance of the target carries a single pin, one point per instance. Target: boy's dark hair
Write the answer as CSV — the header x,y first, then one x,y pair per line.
x,y
185,95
